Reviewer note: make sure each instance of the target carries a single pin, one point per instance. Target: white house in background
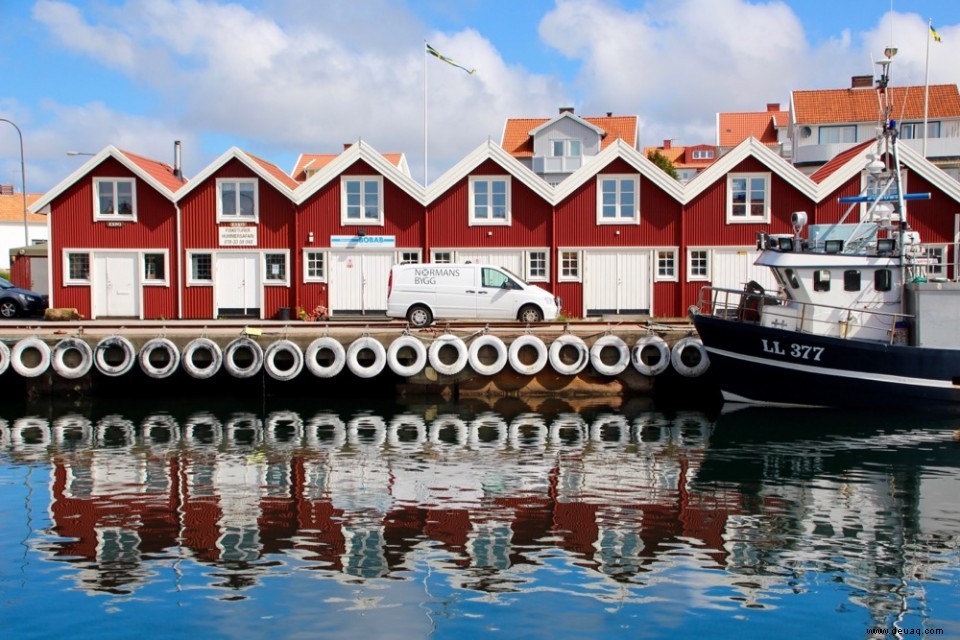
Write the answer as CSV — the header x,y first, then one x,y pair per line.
x,y
11,223
827,122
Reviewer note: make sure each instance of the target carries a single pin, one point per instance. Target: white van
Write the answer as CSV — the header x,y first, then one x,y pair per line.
x,y
423,292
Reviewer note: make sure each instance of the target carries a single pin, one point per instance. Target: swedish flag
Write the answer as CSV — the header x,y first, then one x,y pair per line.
x,y
936,36
449,61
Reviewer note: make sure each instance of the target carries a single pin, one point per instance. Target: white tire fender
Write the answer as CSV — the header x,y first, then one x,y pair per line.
x,y
419,352
128,351
16,357
557,348
198,344
60,365
645,345
455,367
679,360
623,359
353,357
325,343
270,360
497,345
162,344
535,367
230,354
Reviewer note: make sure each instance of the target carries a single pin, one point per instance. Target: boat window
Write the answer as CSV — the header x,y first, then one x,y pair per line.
x,y
821,280
792,278
851,280
883,280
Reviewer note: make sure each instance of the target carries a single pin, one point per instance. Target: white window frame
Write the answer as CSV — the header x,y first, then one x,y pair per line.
x,y
841,129
436,252
702,154
194,282
748,218
238,217
634,219
567,144
67,280
527,258
657,277
306,265
345,220
157,282
578,255
690,275
909,130
941,252
400,258
490,221
269,282
99,183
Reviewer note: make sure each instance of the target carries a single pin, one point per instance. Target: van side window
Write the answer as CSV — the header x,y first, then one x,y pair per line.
x,y
496,279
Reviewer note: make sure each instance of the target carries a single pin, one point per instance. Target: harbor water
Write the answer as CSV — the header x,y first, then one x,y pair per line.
x,y
364,519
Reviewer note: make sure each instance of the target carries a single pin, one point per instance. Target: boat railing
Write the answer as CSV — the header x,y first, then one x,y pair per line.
x,y
749,306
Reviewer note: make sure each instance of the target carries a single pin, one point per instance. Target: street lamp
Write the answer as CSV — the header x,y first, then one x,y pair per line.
x,y
23,184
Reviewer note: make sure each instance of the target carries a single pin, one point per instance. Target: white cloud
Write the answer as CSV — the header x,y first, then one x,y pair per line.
x,y
110,46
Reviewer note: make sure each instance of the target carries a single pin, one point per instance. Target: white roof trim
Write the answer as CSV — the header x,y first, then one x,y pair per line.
x,y
489,151
109,151
360,150
250,163
636,159
566,114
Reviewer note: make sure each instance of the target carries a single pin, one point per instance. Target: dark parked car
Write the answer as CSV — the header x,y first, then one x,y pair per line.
x,y
15,301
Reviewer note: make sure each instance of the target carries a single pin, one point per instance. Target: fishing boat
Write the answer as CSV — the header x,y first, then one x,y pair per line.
x,y
857,319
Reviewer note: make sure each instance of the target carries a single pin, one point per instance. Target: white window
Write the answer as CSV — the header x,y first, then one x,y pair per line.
x,y
155,268
408,257
314,266
914,130
489,200
569,266
237,200
76,268
666,265
748,197
114,199
703,154
275,269
939,253
442,257
618,199
698,265
201,268
361,200
836,135
566,148
537,267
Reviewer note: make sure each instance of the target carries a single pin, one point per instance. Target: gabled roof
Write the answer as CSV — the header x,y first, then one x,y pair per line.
x,y
839,161
569,115
518,133
830,106
317,161
734,128
271,173
751,147
157,174
11,209
681,157
489,150
622,150
359,151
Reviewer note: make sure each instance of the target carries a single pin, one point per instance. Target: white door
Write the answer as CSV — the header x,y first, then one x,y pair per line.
x,y
358,281
616,282
237,284
733,268
39,275
116,290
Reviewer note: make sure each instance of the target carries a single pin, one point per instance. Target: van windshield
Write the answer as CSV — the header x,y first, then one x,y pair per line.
x,y
497,279
515,276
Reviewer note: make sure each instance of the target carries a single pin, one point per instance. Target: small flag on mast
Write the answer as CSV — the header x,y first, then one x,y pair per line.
x,y
936,36
449,61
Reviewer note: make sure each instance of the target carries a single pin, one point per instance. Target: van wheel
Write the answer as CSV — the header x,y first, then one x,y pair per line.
x,y
419,316
530,314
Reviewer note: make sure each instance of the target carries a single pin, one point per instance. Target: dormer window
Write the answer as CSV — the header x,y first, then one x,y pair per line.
x,y
618,199
115,199
703,154
748,197
566,149
361,200
237,200
489,200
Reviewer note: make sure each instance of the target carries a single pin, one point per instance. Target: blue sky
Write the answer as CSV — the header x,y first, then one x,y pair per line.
x,y
281,77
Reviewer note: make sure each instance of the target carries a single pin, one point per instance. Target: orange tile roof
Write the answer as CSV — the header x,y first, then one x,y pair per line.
x,y
11,209
316,161
518,142
681,157
734,128
838,161
275,171
159,171
827,106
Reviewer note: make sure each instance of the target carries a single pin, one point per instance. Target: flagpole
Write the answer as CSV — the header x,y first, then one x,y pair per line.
x,y
424,113
926,85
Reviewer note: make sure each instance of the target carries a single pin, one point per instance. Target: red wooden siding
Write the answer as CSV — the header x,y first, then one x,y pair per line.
x,y
20,272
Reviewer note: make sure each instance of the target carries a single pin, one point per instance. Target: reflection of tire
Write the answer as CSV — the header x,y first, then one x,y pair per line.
x,y
530,314
162,370
68,370
419,316
9,309
689,357
128,356
651,348
623,353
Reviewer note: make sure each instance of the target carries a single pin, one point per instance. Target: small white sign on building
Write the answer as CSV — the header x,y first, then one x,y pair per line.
x,y
245,236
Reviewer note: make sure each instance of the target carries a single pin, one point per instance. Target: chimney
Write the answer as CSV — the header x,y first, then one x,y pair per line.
x,y
666,145
861,82
566,109
177,173
773,106
609,114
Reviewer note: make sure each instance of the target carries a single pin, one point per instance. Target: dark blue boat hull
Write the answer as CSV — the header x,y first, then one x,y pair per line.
x,y
771,366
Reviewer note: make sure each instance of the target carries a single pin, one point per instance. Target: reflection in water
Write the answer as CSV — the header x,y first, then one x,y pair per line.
x,y
742,509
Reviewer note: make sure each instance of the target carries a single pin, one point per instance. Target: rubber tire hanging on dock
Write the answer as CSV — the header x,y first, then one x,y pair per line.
x,y
329,344
173,358
557,348
240,344
379,357
111,342
596,353
16,357
495,343
59,363
216,358
270,360
644,344
678,358
455,367
538,364
419,352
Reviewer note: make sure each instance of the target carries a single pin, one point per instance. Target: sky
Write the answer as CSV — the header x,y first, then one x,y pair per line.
x,y
277,78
